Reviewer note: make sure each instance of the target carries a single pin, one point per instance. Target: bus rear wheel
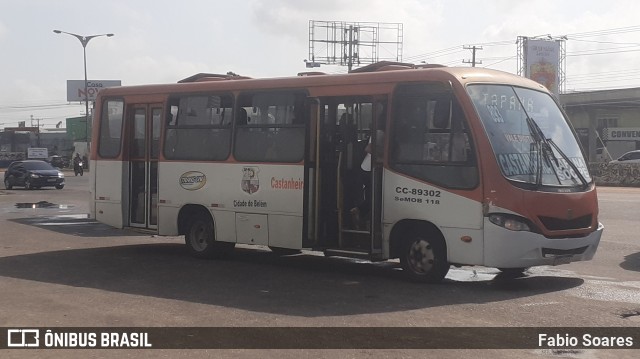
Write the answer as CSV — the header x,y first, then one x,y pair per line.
x,y
424,259
200,239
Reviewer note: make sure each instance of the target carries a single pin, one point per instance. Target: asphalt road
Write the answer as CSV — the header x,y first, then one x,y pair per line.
x,y
60,269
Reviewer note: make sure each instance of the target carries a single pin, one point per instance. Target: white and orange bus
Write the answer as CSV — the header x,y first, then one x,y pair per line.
x,y
471,167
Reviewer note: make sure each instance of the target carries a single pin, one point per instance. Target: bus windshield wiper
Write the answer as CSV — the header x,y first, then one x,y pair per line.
x,y
568,160
547,151
546,146
544,149
538,140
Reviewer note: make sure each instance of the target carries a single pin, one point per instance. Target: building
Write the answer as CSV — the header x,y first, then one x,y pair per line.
x,y
607,122
15,142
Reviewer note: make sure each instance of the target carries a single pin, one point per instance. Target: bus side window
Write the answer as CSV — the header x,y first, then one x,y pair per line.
x,y
198,127
111,128
429,137
460,145
272,132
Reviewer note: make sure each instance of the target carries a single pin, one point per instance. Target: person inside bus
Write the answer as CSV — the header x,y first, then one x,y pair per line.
x,y
364,208
271,153
351,154
242,117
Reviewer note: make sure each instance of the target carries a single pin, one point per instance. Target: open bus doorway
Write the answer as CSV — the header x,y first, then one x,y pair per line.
x,y
349,200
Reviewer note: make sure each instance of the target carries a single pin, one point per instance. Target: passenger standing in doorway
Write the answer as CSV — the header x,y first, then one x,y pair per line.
x,y
364,208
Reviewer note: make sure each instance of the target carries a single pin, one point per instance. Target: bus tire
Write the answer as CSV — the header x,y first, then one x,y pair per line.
x,y
200,238
424,259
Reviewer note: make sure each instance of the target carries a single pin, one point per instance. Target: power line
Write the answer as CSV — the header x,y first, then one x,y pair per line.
x,y
433,55
585,89
31,107
600,80
614,31
607,73
587,53
501,61
620,77
608,42
616,77
573,36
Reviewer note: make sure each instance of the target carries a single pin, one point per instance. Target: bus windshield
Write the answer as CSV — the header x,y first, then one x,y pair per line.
x,y
530,137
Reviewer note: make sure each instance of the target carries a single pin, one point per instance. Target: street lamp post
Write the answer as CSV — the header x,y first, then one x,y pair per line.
x,y
84,40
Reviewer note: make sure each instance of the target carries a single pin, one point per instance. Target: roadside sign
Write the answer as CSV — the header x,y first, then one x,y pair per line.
x,y
37,153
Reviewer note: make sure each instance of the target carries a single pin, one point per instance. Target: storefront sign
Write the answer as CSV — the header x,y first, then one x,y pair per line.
x,y
622,134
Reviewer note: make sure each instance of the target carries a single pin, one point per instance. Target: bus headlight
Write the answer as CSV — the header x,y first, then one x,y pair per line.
x,y
510,222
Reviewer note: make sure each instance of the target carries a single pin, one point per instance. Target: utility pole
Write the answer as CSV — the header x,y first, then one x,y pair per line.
x,y
473,60
37,130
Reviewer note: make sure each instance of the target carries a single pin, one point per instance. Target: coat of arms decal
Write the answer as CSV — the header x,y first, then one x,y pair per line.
x,y
250,182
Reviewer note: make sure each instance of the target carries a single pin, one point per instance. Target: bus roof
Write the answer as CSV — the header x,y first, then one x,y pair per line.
x,y
385,74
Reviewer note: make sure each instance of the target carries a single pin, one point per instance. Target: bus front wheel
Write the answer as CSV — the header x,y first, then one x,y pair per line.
x,y
424,259
200,239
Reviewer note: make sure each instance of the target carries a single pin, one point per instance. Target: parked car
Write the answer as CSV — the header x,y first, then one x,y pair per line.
x,y
32,174
629,157
59,161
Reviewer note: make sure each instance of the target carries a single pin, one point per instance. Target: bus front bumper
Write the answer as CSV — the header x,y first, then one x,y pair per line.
x,y
509,249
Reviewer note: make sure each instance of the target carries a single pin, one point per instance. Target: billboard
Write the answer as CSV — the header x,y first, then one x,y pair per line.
x,y
542,62
75,89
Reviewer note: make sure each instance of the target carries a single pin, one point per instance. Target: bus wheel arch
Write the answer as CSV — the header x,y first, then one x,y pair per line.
x,y
422,250
197,225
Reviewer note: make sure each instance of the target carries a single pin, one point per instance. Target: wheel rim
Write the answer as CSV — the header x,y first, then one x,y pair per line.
x,y
421,257
27,184
199,237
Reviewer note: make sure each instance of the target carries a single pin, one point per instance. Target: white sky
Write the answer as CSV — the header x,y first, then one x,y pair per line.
x,y
159,41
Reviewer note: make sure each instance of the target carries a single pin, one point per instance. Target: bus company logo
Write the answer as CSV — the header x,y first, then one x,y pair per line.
x,y
193,180
250,182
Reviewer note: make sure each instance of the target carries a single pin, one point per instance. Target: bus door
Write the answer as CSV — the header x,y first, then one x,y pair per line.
x,y
144,147
349,198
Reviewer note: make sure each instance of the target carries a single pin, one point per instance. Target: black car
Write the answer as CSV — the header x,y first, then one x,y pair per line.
x,y
33,174
59,161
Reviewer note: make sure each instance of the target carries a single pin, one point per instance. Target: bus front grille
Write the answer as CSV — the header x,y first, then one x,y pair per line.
x,y
560,224
551,252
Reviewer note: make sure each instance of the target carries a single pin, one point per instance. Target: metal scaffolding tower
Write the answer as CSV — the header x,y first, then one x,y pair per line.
x,y
353,43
